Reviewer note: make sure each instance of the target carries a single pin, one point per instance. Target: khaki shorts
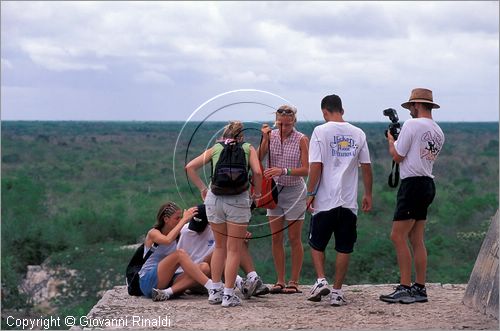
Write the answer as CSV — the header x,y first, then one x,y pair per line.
x,y
291,203
232,208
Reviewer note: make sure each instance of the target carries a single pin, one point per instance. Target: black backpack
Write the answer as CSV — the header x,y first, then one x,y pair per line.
x,y
133,268
230,176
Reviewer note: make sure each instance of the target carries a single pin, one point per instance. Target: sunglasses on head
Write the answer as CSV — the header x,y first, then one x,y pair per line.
x,y
285,111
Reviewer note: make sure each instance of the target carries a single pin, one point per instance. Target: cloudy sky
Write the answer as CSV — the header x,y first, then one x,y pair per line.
x,y
162,61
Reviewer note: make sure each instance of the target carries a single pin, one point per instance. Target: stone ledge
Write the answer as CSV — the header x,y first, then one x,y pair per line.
x,y
118,310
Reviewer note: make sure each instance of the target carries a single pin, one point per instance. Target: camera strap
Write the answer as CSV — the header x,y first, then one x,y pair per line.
x,y
393,182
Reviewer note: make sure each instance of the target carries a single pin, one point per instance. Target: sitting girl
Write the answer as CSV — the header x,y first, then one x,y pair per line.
x,y
158,277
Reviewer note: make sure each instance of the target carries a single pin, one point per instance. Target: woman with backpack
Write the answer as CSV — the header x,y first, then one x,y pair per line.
x,y
227,204
158,278
288,163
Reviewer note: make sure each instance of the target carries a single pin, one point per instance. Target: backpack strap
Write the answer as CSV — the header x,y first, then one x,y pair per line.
x,y
212,161
148,254
269,151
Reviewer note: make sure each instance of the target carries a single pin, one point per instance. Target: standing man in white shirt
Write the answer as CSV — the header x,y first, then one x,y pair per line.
x,y
417,147
336,151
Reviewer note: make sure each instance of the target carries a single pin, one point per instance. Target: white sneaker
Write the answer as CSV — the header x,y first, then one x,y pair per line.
x,y
239,285
230,300
159,295
215,296
249,286
337,299
318,290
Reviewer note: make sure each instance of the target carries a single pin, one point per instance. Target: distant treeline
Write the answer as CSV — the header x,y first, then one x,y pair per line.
x,y
75,191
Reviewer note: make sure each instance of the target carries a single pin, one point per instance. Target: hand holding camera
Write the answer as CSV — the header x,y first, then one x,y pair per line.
x,y
394,127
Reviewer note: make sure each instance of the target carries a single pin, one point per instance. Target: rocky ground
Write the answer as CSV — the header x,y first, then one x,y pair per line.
x,y
291,311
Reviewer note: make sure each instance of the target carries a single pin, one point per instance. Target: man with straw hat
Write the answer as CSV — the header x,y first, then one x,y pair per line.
x,y
418,146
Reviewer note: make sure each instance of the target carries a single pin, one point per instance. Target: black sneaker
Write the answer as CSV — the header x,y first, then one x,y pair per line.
x,y
401,294
419,293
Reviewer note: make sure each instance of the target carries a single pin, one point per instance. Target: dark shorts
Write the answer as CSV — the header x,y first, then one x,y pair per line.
x,y
339,221
415,195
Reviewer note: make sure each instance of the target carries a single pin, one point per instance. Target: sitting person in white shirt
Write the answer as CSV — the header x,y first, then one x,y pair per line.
x,y
197,239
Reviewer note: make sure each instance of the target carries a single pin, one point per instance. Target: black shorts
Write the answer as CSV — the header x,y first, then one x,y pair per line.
x,y
415,195
341,222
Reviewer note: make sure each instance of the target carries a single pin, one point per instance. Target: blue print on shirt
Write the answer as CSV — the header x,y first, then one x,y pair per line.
x,y
343,146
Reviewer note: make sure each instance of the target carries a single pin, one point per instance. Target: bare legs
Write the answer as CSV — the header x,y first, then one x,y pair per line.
x,y
341,266
277,224
419,251
228,245
193,273
414,231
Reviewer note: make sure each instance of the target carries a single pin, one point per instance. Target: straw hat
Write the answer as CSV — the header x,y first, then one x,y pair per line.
x,y
420,95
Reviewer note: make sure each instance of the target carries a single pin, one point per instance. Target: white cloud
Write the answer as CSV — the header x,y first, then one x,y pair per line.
x,y
301,48
58,57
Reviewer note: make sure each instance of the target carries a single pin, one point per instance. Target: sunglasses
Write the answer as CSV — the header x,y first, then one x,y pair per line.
x,y
285,111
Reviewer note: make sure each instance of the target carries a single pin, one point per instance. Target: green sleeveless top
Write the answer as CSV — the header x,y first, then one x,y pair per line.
x,y
217,149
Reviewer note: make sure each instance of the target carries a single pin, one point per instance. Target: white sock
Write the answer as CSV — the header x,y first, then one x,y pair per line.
x,y
252,274
238,281
321,279
208,284
216,285
168,291
228,291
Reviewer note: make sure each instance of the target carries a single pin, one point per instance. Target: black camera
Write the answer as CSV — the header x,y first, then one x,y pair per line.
x,y
394,127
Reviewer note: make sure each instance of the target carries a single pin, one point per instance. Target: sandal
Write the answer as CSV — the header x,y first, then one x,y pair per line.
x,y
277,288
291,288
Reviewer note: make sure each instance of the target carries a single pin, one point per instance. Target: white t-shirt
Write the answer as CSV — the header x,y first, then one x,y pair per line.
x,y
197,245
420,142
341,147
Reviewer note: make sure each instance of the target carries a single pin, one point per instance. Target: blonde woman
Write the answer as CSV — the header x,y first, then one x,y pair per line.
x,y
228,213
288,163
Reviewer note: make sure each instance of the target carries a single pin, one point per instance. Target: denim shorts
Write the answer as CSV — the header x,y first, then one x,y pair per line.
x,y
233,208
150,280
291,203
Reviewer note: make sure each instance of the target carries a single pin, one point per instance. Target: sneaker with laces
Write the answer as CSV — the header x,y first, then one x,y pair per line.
x,y
318,290
230,300
239,285
249,286
337,299
261,289
159,295
215,296
419,293
400,294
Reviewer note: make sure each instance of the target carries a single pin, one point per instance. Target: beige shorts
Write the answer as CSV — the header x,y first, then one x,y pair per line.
x,y
232,208
291,203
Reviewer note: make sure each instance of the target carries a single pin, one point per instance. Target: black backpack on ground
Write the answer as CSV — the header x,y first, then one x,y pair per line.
x,y
230,176
133,268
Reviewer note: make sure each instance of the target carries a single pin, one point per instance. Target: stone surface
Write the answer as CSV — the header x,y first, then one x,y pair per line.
x,y
42,283
482,289
364,311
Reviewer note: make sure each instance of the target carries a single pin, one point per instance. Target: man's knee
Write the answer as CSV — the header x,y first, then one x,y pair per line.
x,y
397,237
